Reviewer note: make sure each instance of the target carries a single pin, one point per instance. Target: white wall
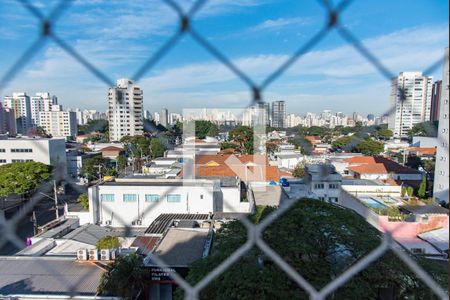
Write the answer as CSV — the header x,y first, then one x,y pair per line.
x,y
122,213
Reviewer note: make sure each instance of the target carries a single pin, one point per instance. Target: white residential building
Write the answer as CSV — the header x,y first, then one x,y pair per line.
x,y
125,106
441,174
139,201
48,151
57,122
411,97
323,182
20,103
41,102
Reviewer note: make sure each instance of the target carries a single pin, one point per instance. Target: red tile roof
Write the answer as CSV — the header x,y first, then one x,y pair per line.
x,y
377,165
423,150
111,148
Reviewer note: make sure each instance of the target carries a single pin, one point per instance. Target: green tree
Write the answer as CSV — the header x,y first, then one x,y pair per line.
x,y
383,134
21,178
424,129
90,169
428,165
299,170
369,147
84,201
343,143
121,162
125,277
331,240
243,135
108,242
157,148
410,191
137,146
413,162
423,188
93,126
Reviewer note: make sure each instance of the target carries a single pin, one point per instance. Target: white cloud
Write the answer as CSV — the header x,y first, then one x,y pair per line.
x,y
275,24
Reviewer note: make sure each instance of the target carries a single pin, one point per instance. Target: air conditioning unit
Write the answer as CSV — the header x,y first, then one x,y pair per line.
x,y
113,254
105,254
139,222
82,254
93,254
108,222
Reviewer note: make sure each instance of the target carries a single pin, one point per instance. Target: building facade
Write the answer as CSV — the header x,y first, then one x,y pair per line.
x,y
411,97
278,114
41,102
48,151
20,103
57,122
125,105
7,121
441,173
436,100
164,117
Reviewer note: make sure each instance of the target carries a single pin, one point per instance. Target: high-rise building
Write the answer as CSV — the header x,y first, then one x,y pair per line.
x,y
57,122
7,121
435,100
371,117
20,103
411,100
278,114
164,117
441,173
41,102
125,105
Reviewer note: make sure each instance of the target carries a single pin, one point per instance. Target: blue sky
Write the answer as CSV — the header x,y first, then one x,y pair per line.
x,y
258,36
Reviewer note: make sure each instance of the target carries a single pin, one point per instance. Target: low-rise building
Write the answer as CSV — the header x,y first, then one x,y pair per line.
x,y
137,201
378,167
323,182
50,151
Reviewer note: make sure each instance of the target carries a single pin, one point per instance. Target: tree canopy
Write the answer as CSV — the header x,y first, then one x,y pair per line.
x,y
424,129
108,242
157,148
93,126
366,146
124,277
243,135
22,177
318,240
83,200
90,168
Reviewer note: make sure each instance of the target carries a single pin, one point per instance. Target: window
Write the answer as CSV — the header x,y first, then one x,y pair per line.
x,y
151,198
107,197
2,150
129,197
322,198
174,198
201,196
319,186
333,186
21,150
2,161
333,199
20,160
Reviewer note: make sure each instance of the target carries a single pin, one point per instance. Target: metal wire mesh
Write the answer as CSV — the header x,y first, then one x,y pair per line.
x,y
254,232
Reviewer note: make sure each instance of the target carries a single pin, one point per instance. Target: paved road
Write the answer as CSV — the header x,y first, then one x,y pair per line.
x,y
45,212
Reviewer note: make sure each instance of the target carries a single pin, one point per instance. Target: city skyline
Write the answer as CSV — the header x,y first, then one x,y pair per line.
x,y
331,76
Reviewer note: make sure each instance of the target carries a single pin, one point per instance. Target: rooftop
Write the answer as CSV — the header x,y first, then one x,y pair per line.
x,y
424,209
182,246
437,237
90,233
47,275
377,165
163,221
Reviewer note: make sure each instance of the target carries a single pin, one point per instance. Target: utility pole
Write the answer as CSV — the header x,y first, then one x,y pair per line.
x,y
35,225
56,199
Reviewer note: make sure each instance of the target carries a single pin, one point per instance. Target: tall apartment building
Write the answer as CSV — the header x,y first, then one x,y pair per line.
x,y
41,102
57,122
20,103
7,121
125,105
441,172
278,114
411,97
164,117
435,100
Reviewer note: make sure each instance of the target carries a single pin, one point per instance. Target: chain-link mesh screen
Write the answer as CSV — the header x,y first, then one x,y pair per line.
x,y
254,232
